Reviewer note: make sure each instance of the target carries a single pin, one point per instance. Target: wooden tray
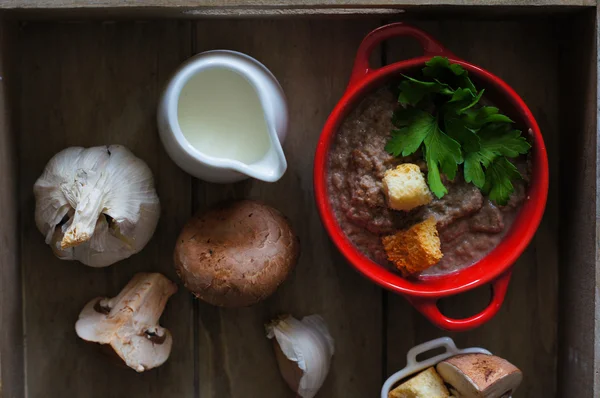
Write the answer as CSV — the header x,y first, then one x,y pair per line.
x,y
96,79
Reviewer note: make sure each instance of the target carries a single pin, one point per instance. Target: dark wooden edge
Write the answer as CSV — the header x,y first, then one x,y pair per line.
x,y
116,9
597,236
578,273
278,4
11,319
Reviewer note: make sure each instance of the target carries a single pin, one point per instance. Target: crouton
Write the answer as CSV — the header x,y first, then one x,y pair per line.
x,y
405,187
427,384
414,249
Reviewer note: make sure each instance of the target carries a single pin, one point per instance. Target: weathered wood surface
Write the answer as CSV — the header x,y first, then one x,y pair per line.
x,y
525,329
11,324
312,60
197,9
93,83
314,4
86,85
579,355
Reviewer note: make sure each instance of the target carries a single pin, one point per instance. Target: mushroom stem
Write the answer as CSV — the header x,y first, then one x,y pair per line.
x,y
145,296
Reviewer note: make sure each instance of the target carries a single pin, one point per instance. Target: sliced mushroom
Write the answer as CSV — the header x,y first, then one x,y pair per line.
x,y
128,323
480,376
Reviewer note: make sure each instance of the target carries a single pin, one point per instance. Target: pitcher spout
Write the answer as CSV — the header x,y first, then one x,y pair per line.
x,y
272,166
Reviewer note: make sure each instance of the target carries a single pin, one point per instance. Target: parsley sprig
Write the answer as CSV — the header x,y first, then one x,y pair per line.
x,y
440,114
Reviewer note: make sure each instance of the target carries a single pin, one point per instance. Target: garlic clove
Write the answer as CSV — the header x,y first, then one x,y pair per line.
x,y
289,369
303,350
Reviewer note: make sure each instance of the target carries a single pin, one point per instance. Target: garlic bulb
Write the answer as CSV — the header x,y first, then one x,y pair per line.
x,y
304,350
96,205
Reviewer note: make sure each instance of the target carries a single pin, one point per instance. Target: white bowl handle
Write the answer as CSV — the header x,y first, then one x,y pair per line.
x,y
413,365
445,342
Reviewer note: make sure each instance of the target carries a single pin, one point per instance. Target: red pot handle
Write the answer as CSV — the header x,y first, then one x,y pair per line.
x,y
429,308
431,46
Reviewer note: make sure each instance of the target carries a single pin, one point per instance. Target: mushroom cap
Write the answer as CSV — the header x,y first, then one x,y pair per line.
x,y
480,375
236,254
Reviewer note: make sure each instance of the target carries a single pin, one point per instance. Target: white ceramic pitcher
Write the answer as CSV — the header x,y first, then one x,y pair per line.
x,y
269,168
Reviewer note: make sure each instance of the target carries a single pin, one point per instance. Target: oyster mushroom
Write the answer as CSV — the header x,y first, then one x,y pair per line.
x,y
236,254
480,376
128,323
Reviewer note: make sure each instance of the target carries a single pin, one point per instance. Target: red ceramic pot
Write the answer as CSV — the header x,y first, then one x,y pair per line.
x,y
495,268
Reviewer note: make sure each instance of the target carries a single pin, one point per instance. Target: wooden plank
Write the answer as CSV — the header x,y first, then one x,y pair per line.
x,y
12,380
312,60
93,84
194,9
31,4
525,330
579,353
427,11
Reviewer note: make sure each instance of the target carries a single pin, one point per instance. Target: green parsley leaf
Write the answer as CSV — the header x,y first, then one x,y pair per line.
x,y
473,169
472,103
456,76
495,140
462,100
441,116
498,177
412,91
461,94
402,117
499,139
411,94
407,140
474,164
442,151
434,179
477,118
435,66
456,128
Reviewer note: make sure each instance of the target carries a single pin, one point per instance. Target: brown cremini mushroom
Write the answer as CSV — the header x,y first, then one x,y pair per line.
x,y
128,323
236,254
480,376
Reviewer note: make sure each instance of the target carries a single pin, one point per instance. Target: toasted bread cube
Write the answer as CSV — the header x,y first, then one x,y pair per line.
x,y
427,384
405,187
414,249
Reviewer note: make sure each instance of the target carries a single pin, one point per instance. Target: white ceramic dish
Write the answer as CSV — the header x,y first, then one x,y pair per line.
x,y
223,170
413,366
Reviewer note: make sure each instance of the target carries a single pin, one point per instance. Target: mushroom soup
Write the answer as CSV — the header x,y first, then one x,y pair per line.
x,y
469,224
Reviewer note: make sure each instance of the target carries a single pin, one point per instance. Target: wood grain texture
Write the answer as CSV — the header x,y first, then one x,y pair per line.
x,y
195,9
29,4
86,85
312,60
12,380
525,329
92,83
580,273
